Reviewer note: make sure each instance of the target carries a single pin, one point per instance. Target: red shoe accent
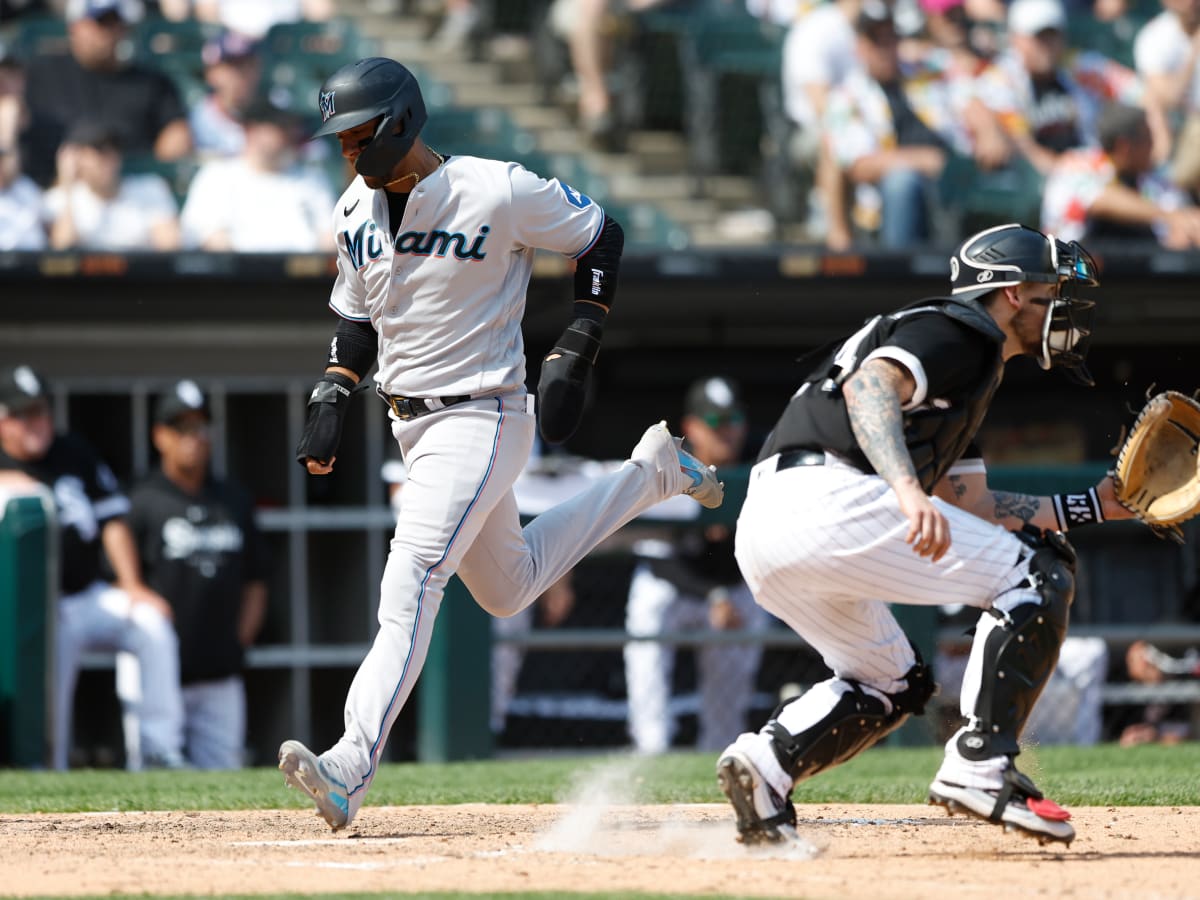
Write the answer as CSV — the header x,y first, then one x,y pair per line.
x,y
1047,809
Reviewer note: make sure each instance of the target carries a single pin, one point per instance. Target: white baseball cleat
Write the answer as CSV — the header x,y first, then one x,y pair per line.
x,y
763,817
1018,806
664,452
303,770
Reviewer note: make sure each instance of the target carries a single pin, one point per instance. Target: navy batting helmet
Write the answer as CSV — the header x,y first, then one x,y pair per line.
x,y
1012,254
368,89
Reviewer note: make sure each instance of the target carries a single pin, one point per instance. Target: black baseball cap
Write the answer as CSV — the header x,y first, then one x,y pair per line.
x,y
20,388
716,398
185,397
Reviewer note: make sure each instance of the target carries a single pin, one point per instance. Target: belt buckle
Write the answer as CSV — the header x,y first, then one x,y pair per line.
x,y
403,408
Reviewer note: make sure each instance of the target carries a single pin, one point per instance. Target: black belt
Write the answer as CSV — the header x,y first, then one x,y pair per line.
x,y
411,407
789,459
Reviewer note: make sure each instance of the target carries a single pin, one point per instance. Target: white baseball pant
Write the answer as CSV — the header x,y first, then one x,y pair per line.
x,y
460,515
822,548
724,672
102,617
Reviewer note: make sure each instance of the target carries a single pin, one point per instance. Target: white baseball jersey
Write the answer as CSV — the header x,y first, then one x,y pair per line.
x,y
447,296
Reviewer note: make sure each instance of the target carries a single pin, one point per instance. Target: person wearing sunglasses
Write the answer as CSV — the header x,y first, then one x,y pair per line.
x,y
693,583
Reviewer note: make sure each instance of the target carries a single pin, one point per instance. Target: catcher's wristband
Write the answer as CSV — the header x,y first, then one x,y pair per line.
x,y
1073,510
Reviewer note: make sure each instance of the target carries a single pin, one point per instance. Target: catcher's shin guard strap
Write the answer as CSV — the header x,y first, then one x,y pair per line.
x,y
1015,783
1020,651
856,721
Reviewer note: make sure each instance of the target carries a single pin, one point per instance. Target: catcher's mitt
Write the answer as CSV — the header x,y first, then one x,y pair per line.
x,y
1156,475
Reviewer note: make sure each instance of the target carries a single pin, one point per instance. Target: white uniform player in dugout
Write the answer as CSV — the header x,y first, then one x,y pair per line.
x,y
869,491
434,258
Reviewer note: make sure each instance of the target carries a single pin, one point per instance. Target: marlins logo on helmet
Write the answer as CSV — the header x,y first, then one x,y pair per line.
x,y
326,104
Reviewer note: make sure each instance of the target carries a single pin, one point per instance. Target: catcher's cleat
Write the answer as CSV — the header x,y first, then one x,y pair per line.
x,y
684,473
763,817
304,771
1018,806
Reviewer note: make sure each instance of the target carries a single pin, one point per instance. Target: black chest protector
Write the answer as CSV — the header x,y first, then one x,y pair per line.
x,y
936,433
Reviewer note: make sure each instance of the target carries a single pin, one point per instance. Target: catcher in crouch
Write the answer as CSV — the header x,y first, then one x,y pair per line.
x,y
869,491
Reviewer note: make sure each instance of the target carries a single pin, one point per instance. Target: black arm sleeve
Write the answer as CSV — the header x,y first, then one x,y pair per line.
x,y
355,346
596,271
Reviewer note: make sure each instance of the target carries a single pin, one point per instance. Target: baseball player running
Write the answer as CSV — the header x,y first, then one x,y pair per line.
x,y
434,257
869,492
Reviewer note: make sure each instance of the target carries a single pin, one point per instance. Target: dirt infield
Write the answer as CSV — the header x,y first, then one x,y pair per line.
x,y
850,852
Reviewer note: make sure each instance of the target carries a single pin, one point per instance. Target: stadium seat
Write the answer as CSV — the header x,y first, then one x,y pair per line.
x,y
645,225
976,199
321,42
1112,39
725,56
41,36
156,38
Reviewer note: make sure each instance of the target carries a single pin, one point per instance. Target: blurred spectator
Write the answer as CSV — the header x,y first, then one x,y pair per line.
x,y
252,18
1048,99
21,225
20,206
1165,55
264,200
93,206
1160,723
92,614
232,70
14,115
782,12
693,583
588,26
460,19
200,549
890,125
1115,191
818,53
95,81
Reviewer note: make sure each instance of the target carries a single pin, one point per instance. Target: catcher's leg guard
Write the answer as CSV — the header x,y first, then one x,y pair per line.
x,y
859,718
758,771
1018,652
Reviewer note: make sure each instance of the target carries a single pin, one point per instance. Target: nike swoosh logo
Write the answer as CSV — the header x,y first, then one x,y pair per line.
x,y
346,210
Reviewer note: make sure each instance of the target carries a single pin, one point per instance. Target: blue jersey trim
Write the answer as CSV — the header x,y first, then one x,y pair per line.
x,y
375,747
342,315
595,237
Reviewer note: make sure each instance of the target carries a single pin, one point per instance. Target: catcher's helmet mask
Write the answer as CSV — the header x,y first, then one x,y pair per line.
x,y
1009,255
369,89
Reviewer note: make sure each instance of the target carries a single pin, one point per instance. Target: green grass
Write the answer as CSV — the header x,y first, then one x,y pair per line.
x,y
1080,776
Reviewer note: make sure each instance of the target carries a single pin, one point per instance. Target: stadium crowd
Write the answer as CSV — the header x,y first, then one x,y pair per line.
x,y
1084,115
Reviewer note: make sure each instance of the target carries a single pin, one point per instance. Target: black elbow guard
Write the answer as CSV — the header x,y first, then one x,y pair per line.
x,y
596,271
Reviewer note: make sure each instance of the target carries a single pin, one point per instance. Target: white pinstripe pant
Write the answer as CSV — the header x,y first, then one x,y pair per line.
x,y
822,548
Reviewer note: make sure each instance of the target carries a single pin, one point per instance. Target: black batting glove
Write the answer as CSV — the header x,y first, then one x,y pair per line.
x,y
562,386
327,405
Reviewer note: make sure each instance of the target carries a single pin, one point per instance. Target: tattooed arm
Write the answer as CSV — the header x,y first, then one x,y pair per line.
x,y
1013,511
874,396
